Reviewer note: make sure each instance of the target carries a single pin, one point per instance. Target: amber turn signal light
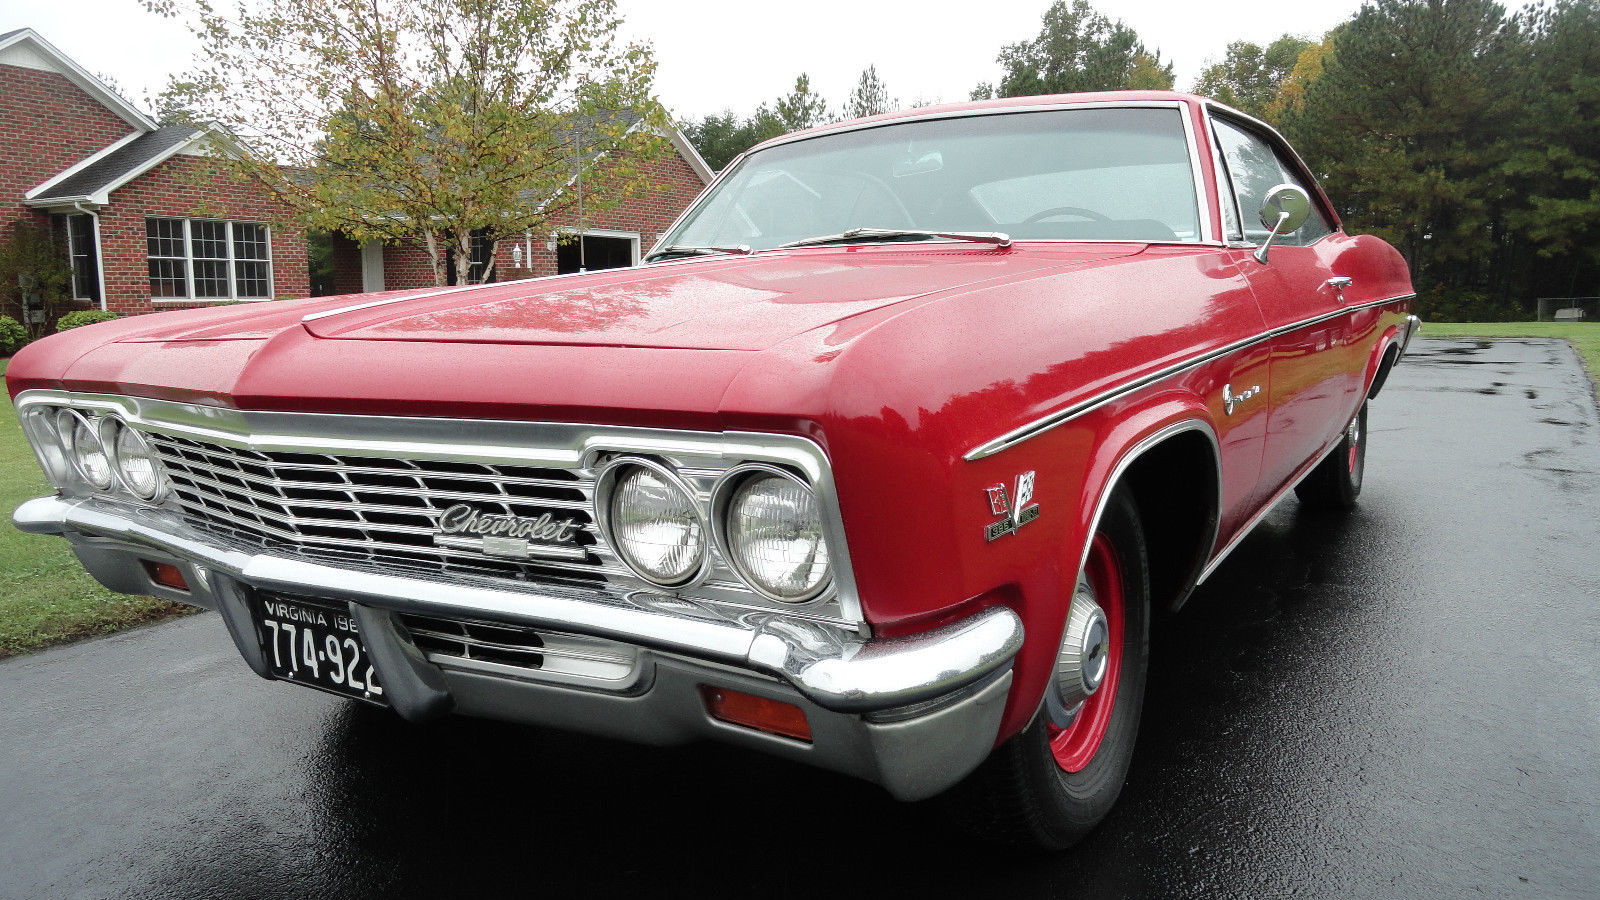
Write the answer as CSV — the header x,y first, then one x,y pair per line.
x,y
771,716
166,574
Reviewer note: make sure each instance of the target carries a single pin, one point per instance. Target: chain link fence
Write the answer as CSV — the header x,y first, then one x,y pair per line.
x,y
1569,309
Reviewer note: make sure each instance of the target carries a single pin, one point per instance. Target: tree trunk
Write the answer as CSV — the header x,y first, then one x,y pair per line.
x,y
464,256
488,270
436,256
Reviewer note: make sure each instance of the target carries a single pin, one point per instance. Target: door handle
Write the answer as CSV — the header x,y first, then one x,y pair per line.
x,y
1339,283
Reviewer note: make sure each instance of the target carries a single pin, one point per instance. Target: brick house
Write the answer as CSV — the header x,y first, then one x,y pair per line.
x,y
609,239
148,221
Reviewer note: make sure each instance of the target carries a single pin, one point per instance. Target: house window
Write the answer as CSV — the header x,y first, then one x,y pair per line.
x,y
208,259
481,247
81,250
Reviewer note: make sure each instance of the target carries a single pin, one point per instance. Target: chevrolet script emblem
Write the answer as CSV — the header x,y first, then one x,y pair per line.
x,y
516,537
1014,514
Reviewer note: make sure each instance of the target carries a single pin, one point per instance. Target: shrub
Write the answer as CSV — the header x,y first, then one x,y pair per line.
x,y
12,335
34,272
84,317
1447,304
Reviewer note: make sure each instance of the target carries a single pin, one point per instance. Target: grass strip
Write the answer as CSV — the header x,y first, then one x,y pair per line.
x,y
46,597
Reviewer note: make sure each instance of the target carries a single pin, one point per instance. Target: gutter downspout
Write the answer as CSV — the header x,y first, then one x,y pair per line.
x,y
99,260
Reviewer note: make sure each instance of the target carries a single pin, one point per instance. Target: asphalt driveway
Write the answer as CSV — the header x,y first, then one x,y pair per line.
x,y
1401,703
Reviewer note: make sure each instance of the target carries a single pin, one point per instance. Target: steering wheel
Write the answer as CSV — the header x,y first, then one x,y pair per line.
x,y
1065,211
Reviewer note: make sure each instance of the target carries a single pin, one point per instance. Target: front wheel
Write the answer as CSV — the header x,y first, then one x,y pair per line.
x,y
1052,783
1336,481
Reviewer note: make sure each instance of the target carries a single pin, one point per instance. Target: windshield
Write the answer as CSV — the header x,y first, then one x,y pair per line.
x,y
1085,174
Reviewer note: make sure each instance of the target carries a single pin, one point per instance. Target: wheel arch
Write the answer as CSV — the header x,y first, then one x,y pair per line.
x,y
1174,472
1384,355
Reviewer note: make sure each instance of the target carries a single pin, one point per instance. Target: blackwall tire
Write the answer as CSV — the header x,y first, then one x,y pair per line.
x,y
1023,794
1336,481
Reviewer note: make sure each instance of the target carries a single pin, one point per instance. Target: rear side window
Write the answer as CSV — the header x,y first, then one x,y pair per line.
x,y
1254,168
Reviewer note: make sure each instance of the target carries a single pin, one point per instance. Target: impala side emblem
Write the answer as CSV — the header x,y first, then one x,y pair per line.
x,y
463,528
1230,399
1013,515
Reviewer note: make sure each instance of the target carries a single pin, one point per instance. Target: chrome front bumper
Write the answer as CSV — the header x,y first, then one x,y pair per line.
x,y
1413,325
914,714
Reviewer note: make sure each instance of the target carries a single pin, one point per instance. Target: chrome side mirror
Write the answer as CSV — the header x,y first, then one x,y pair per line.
x,y
1284,209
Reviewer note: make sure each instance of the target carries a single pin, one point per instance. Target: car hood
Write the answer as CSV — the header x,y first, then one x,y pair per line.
x,y
668,345
749,303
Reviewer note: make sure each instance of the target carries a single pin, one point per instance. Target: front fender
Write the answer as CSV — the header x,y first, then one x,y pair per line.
x,y
1087,462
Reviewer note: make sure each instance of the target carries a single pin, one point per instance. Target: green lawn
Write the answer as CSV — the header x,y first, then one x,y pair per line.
x,y
45,595
1585,336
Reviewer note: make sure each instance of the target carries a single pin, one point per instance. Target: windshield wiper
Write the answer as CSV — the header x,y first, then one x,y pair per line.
x,y
736,249
998,238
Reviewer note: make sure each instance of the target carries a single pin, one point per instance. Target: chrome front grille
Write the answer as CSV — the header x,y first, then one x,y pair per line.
x,y
375,493
376,512
522,652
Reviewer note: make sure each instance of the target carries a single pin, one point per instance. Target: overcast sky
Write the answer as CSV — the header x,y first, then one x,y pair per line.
x,y
734,54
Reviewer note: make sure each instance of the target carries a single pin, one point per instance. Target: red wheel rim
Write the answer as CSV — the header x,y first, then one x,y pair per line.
x,y
1075,745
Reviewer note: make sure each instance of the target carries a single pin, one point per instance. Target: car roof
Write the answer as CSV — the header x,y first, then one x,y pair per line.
x,y
998,105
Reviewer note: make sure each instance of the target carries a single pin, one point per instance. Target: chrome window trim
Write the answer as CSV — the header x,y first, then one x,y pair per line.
x,y
1277,142
1060,417
1202,206
549,444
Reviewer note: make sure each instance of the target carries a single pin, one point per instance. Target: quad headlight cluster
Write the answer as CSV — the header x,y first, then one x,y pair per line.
x,y
94,453
763,520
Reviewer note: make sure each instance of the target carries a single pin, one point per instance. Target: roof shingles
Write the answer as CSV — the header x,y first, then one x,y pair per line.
x,y
130,159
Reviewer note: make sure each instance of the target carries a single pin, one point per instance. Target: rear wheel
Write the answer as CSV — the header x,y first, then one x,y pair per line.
x,y
1051,784
1336,481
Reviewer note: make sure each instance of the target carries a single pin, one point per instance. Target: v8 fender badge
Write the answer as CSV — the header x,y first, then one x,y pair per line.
x,y
1014,513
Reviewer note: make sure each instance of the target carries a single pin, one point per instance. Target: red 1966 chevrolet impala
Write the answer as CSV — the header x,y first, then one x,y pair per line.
x,y
881,462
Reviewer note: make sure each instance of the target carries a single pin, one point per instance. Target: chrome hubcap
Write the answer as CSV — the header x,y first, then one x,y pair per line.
x,y
1085,650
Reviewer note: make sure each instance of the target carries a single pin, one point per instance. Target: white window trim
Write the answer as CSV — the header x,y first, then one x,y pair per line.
x,y
99,261
189,261
632,236
72,257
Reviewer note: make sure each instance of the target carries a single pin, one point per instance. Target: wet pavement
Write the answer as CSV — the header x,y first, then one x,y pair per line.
x,y
1404,702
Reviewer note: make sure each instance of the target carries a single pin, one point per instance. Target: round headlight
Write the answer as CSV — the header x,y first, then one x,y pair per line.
x,y
136,464
772,529
653,522
88,454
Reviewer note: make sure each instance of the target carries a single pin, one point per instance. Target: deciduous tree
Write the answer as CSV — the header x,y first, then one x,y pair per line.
x,y
1292,90
1249,78
426,120
1078,49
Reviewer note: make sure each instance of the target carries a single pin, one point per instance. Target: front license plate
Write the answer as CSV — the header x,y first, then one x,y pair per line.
x,y
316,644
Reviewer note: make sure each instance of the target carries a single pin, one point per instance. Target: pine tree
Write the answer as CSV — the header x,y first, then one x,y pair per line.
x,y
870,97
1409,124
801,107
